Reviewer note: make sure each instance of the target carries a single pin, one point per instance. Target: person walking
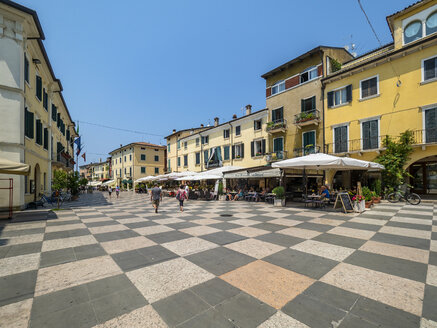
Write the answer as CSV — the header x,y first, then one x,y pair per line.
x,y
109,192
117,191
155,197
187,190
181,196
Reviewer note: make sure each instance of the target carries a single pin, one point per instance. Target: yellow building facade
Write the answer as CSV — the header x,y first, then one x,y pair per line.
x,y
35,127
295,103
97,171
239,142
137,160
388,91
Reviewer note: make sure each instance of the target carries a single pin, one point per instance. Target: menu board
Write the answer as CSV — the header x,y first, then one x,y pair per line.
x,y
343,200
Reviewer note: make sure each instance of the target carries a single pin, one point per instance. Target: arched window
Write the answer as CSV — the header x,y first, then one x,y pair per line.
x,y
413,32
431,23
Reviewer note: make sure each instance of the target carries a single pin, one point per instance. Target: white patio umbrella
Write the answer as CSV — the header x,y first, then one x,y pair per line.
x,y
199,177
107,183
144,179
10,167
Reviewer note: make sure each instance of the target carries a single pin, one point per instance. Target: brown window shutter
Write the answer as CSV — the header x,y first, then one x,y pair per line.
x,y
268,92
292,82
320,70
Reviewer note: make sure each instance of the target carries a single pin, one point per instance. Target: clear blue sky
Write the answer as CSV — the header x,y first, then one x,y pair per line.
x,y
154,66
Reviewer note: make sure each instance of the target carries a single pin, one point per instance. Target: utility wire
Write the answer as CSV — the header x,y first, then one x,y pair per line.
x,y
120,129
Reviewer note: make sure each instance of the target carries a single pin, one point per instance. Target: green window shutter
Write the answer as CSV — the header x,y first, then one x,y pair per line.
x,y
45,100
54,113
349,93
263,146
38,87
330,97
31,125
46,138
252,149
26,69
242,150
313,102
302,105
233,152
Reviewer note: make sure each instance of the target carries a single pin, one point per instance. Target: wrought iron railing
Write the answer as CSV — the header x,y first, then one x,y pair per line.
x,y
276,125
306,150
276,156
307,117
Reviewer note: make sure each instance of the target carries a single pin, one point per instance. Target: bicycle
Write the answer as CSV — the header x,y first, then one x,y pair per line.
x,y
412,198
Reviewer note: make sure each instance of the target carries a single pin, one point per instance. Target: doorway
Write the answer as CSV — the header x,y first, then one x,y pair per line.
x,y
424,177
37,179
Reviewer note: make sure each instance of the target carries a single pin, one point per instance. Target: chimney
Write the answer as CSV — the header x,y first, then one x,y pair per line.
x,y
248,109
174,130
234,116
201,125
216,121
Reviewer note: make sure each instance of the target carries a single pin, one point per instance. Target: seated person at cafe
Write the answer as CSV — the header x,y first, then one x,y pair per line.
x,y
324,192
239,195
228,194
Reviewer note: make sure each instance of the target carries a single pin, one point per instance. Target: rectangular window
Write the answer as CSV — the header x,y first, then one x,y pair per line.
x,y
205,140
278,144
185,144
58,121
309,74
197,142
340,96
278,87
431,125
143,157
278,115
143,169
258,147
308,104
226,153
28,124
26,69
179,161
46,138
369,87
309,142
125,158
38,87
156,170
370,134
205,156
340,139
257,124
179,144
185,160
68,135
130,157
168,147
168,165
45,99
226,133
54,113
430,69
238,130
38,132
238,151
156,158
198,158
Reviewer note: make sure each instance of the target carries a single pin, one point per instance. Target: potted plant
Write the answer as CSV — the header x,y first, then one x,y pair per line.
x,y
279,196
359,203
368,196
378,191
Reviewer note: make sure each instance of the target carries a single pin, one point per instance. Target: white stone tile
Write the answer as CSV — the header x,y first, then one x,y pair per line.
x,y
281,320
54,244
431,278
189,246
16,315
255,248
127,244
18,264
333,252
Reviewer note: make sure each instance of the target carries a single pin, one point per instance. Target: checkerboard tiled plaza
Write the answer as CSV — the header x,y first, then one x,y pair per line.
x,y
121,265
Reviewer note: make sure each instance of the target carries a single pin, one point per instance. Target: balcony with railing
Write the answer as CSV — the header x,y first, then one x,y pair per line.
x,y
276,156
307,118
276,126
306,151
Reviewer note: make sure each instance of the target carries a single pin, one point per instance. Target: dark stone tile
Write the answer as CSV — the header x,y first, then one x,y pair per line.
x,y
182,225
331,295
314,226
432,258
409,225
215,291
168,236
28,248
142,257
340,240
115,235
60,300
180,307
66,234
88,251
361,226
269,226
401,240
4,251
434,236
426,216
91,216
16,233
107,286
391,265
121,302
57,257
220,260
101,223
223,237
430,303
209,318
60,223
81,315
312,312
307,264
140,224
225,225
352,321
334,217
17,287
262,218
384,315
370,215
280,239
119,216
245,311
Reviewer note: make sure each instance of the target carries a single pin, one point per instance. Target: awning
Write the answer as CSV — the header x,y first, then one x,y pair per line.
x,y
10,167
260,174
108,183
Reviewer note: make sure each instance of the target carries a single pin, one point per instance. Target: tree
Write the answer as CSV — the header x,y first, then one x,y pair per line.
x,y
83,182
60,181
73,182
394,159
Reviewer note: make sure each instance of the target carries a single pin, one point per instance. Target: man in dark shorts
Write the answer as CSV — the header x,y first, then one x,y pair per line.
x,y
155,197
